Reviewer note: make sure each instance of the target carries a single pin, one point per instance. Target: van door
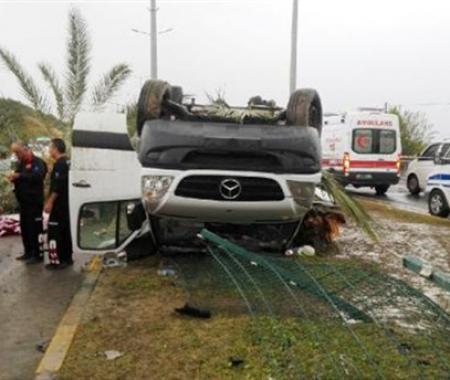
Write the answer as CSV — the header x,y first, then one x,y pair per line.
x,y
104,180
425,164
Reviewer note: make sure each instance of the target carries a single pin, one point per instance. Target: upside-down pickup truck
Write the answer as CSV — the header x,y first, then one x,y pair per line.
x,y
248,171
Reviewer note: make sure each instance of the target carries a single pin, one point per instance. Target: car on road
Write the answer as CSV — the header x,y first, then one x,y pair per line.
x,y
438,188
249,170
421,168
363,148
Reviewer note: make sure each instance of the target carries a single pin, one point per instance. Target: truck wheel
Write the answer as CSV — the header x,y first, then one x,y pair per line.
x,y
437,204
413,185
305,109
149,107
381,189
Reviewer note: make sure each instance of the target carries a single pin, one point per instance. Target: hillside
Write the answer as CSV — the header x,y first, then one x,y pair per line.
x,y
18,121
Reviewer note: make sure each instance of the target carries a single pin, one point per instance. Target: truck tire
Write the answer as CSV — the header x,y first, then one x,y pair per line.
x,y
150,102
413,184
305,109
437,204
381,189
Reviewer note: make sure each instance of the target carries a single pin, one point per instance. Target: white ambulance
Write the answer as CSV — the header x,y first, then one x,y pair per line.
x,y
362,148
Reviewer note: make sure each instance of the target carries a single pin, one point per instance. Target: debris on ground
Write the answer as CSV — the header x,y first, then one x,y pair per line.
x,y
193,311
114,260
112,354
305,250
42,346
9,226
236,361
166,272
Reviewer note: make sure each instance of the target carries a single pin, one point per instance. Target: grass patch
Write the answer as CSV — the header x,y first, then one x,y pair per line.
x,y
402,215
132,311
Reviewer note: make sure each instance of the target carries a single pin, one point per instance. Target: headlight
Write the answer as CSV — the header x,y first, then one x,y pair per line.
x,y
153,189
302,192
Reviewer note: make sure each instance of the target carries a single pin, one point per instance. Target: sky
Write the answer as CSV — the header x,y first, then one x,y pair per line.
x,y
355,53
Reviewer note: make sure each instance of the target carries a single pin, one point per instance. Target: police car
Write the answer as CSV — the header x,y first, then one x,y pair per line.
x,y
438,187
429,162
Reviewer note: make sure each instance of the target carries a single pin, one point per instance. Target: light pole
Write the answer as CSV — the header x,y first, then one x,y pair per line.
x,y
153,35
294,31
153,41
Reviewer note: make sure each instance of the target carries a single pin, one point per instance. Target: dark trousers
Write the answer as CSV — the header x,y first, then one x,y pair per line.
x,y
59,231
31,227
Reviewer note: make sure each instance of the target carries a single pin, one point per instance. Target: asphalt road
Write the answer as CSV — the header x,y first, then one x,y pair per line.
x,y
397,195
32,301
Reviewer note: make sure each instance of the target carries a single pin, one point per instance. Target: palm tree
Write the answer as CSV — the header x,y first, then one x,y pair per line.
x,y
70,94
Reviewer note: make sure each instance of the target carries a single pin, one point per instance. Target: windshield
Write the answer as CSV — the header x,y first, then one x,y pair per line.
x,y
374,141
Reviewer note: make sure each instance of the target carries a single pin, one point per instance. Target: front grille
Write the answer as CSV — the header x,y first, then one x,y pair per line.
x,y
252,189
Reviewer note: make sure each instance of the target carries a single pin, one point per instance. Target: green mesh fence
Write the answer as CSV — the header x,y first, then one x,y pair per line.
x,y
321,318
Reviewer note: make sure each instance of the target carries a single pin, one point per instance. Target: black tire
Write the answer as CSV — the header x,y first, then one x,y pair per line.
x,y
437,204
413,184
305,109
381,189
150,103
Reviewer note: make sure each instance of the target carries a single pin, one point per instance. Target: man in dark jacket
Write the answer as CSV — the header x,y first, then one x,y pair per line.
x,y
28,180
57,205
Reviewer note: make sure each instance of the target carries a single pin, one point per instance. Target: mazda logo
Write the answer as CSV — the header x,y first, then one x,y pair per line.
x,y
230,188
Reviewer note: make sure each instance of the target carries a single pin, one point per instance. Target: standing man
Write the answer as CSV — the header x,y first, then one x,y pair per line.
x,y
28,180
59,237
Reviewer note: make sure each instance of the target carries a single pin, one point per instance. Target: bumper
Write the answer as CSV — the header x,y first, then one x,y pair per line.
x,y
364,178
240,212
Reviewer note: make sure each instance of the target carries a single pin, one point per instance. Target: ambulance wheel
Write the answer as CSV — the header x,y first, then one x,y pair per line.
x,y
150,101
381,189
413,185
305,109
437,204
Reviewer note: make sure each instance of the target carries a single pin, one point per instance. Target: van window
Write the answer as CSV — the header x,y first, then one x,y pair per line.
x,y
374,141
430,152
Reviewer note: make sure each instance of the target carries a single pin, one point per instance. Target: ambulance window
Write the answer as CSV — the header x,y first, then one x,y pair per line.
x,y
387,142
363,140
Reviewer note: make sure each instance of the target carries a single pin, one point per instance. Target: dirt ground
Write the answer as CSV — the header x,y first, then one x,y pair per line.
x,y
132,311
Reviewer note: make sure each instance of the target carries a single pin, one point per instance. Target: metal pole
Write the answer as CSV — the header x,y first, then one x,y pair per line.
x,y
293,74
153,41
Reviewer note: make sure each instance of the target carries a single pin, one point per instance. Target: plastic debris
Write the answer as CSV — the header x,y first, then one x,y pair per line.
x,y
114,259
42,346
305,250
193,311
166,272
236,361
112,354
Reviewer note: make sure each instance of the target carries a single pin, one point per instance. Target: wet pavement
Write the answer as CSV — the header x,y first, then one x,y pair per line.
x,y
32,301
398,195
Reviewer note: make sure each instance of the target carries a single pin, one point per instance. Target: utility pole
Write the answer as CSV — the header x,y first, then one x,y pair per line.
x,y
153,41
293,73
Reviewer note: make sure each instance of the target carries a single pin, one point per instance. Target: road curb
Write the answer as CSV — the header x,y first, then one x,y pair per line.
x,y
423,268
57,350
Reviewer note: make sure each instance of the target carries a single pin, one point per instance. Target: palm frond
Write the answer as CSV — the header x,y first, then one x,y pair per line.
x,y
27,84
50,77
350,206
108,85
78,59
